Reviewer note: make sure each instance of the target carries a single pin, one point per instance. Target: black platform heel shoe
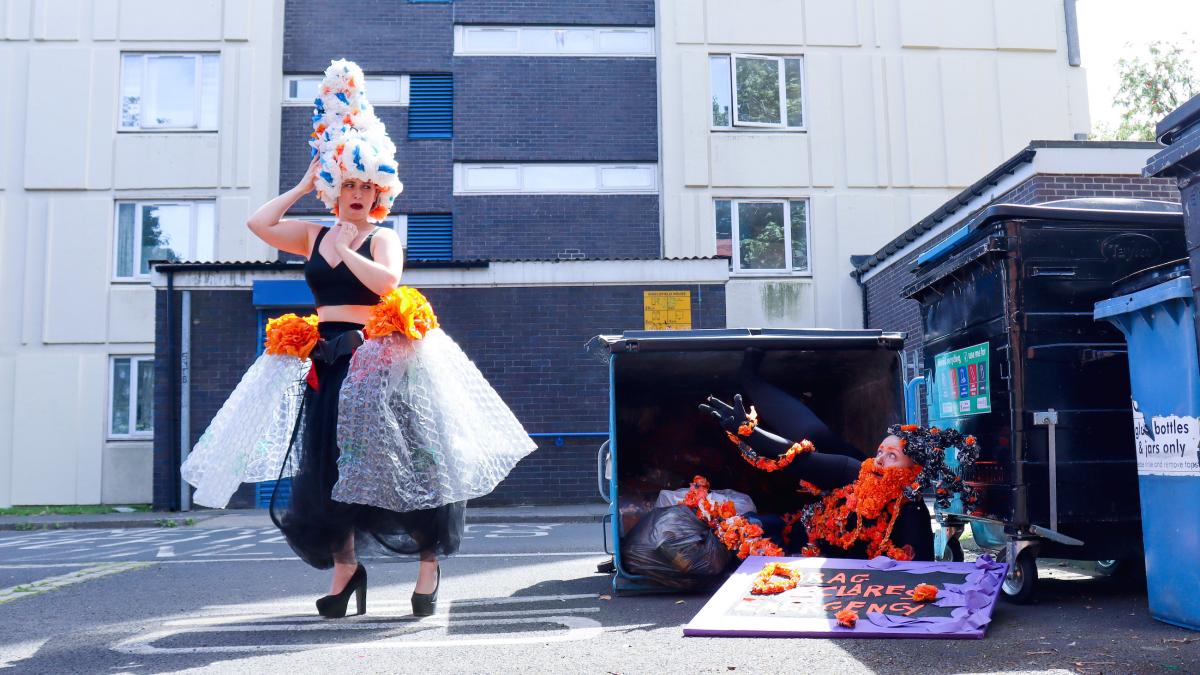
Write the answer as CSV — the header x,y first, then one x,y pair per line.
x,y
425,604
334,606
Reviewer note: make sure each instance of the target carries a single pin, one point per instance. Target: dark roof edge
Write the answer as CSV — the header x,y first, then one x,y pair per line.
x,y
963,198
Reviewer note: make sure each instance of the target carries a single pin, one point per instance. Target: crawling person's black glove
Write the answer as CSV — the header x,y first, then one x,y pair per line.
x,y
731,417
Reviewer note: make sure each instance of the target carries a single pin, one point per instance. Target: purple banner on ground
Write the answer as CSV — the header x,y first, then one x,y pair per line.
x,y
878,591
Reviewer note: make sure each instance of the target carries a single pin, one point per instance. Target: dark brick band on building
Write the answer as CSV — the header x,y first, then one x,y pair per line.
x,y
529,342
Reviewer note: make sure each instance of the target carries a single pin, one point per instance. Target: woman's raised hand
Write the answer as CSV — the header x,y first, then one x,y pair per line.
x,y
309,181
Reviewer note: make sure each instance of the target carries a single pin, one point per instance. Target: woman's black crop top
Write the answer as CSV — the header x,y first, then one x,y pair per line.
x,y
337,285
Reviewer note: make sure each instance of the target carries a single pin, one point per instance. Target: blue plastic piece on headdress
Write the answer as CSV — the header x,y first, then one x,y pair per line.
x,y
320,105
358,159
342,97
312,152
387,168
317,118
327,176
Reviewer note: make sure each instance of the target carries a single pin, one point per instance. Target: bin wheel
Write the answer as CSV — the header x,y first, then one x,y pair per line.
x,y
952,553
1131,570
1021,579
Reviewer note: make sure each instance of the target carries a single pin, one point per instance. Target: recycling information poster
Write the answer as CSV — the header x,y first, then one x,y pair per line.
x,y
961,383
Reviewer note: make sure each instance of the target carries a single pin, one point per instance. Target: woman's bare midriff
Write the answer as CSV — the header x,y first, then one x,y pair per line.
x,y
348,313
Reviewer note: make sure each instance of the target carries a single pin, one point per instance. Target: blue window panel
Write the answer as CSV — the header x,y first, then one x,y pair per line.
x,y
282,293
262,493
431,106
430,236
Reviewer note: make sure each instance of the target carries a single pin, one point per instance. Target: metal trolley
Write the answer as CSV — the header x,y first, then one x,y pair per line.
x,y
1012,355
659,440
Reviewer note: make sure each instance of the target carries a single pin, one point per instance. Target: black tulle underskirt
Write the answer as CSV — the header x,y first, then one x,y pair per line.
x,y
315,525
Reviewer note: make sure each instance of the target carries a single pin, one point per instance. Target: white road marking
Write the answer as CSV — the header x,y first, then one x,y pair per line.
x,y
177,561
577,628
408,633
165,552
49,584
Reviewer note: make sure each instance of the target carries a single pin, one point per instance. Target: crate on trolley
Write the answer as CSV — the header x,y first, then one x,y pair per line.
x,y
658,439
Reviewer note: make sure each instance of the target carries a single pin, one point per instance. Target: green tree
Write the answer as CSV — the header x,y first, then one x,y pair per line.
x,y
1152,85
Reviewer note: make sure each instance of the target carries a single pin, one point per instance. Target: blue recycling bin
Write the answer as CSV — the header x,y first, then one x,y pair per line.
x,y
1156,318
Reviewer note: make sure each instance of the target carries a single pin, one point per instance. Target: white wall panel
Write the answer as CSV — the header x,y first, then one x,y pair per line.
x,y
1033,99
58,19
923,110
832,23
77,265
166,160
696,113
131,313
769,303
18,15
128,474
45,450
1028,24
689,21
762,22
863,109
960,24
54,133
233,237
238,18
897,133
824,117
766,160
971,110
105,83
158,20
90,428
105,17
7,377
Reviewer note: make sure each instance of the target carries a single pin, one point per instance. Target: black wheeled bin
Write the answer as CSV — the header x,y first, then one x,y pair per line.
x,y
659,440
1012,355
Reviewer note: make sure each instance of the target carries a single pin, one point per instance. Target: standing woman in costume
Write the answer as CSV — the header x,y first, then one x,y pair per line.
x,y
396,428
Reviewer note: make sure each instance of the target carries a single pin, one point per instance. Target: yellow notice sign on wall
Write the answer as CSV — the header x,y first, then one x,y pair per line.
x,y
668,310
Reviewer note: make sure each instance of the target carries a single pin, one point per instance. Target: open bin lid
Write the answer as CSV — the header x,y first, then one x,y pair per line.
x,y
709,339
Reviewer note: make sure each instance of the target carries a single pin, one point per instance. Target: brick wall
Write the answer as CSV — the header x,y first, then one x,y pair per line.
x,y
528,342
886,309
555,109
502,227
382,36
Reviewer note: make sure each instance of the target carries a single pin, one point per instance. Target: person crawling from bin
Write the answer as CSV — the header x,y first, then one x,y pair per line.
x,y
865,508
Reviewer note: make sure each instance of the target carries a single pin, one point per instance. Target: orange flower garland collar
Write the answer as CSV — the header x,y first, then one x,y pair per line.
x,y
404,311
738,534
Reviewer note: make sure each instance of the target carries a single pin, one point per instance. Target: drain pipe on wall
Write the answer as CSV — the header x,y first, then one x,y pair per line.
x,y
1072,21
185,393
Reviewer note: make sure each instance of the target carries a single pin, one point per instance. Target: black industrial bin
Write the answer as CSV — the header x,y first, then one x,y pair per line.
x,y
1012,356
1180,132
659,439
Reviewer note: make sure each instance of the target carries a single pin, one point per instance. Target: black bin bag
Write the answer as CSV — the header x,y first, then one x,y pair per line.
x,y
674,548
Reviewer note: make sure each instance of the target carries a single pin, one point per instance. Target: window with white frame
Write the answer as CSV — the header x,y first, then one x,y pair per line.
x,y
382,90
547,178
162,230
763,92
131,397
764,236
553,41
170,92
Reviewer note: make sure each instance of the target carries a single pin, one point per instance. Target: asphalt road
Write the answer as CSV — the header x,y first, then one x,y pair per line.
x,y
520,598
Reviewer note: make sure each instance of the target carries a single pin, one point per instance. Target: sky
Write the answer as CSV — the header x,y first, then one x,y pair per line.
x,y
1105,28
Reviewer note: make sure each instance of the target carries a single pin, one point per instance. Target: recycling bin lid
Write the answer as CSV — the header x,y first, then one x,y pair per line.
x,y
1151,276
1179,121
1094,209
742,338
